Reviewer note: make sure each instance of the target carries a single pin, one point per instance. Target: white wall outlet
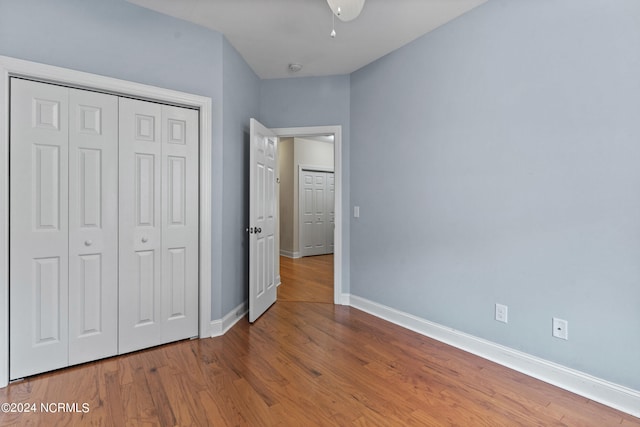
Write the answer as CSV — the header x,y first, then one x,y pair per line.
x,y
502,312
560,328
356,211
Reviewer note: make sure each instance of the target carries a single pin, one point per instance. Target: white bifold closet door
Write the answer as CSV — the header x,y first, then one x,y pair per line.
x,y
316,212
103,226
63,227
158,224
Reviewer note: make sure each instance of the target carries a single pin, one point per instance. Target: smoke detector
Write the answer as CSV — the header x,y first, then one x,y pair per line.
x,y
294,68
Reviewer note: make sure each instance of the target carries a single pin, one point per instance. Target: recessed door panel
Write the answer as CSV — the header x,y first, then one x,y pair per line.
x,y
144,289
46,180
46,304
177,283
145,175
176,190
91,191
91,289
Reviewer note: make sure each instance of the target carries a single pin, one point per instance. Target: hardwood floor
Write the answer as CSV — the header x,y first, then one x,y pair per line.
x,y
304,364
308,279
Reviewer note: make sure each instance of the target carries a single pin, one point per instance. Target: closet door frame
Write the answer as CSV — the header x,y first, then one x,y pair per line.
x,y
11,67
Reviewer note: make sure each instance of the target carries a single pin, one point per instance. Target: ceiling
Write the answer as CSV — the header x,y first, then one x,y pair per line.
x,y
271,34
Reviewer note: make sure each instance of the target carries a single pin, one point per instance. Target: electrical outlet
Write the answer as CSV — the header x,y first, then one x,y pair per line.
x,y
502,312
560,328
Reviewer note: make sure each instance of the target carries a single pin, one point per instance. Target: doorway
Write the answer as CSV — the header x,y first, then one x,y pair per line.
x,y
307,217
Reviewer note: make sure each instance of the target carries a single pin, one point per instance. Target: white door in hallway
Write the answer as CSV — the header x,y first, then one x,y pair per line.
x,y
63,222
330,203
263,216
158,224
316,212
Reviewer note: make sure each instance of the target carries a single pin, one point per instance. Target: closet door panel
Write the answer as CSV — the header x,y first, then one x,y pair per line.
x,y
179,223
330,204
140,225
93,226
38,228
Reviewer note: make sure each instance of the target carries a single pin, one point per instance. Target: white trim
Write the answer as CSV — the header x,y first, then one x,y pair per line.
x,y
336,131
15,67
221,326
345,299
289,254
597,389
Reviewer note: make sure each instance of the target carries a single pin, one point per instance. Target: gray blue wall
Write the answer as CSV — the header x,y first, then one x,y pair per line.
x,y
497,159
241,91
314,101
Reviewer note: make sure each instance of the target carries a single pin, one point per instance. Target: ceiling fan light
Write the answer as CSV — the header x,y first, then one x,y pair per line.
x,y
346,10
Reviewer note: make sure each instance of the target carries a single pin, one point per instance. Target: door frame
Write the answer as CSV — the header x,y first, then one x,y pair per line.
x,y
336,131
11,67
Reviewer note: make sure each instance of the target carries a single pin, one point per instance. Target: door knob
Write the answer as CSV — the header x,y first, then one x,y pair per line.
x,y
145,240
88,242
258,230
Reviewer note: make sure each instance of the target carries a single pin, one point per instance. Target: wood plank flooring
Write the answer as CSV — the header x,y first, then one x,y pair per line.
x,y
304,364
308,279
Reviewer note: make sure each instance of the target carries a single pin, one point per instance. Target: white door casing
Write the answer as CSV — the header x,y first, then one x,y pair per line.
x,y
263,216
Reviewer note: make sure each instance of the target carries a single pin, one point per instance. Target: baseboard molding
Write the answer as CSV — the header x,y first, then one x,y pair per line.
x,y
599,390
221,326
345,299
289,254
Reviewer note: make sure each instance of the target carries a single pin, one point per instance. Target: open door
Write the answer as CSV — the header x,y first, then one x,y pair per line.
x,y
263,217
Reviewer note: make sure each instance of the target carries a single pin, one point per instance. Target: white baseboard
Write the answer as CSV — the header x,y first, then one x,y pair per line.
x,y
290,254
221,326
599,390
345,299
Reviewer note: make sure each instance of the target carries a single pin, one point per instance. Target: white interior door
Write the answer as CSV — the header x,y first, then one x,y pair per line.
x,y
158,224
104,227
39,234
263,216
93,226
64,208
140,230
317,213
179,223
330,207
